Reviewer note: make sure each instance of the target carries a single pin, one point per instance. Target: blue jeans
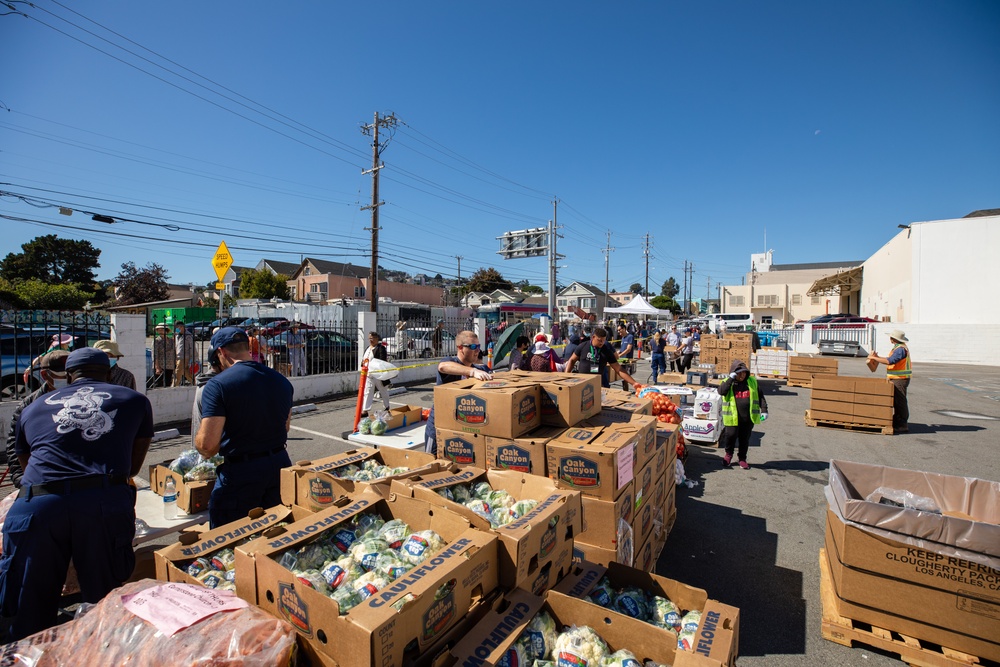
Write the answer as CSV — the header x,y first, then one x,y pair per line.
x,y
658,363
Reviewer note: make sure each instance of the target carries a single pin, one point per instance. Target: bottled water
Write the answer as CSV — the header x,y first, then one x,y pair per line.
x,y
169,498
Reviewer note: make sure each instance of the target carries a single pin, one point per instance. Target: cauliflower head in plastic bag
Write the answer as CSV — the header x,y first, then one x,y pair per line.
x,y
580,646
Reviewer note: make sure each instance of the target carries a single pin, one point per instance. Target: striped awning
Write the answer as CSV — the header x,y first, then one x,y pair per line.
x,y
844,282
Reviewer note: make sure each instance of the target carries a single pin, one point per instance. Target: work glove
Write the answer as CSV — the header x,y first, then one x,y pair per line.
x,y
481,375
763,416
732,375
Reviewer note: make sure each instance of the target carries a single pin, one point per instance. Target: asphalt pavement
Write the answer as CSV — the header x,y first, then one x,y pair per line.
x,y
751,538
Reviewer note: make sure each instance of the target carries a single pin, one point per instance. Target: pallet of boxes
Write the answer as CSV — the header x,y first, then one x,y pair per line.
x,y
802,368
851,403
911,564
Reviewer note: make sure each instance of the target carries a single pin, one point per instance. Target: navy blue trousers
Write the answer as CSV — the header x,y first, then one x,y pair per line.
x,y
240,487
41,534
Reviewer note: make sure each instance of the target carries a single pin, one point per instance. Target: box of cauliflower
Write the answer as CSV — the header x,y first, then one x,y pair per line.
x,y
535,521
556,629
372,579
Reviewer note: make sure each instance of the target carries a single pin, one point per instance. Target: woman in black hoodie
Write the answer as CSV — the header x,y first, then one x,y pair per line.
x,y
742,406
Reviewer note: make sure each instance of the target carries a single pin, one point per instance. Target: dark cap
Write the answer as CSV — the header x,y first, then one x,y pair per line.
x,y
55,361
87,356
738,366
227,336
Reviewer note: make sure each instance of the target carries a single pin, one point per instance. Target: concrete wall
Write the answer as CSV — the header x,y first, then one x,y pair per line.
x,y
887,288
952,281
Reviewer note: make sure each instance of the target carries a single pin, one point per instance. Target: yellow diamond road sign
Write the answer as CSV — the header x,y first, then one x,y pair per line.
x,y
222,261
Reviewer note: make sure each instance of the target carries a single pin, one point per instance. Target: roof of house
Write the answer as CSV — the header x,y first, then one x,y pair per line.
x,y
982,213
336,268
587,286
287,268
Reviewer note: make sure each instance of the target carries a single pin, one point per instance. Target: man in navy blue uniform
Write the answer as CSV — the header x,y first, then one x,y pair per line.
x,y
78,447
246,411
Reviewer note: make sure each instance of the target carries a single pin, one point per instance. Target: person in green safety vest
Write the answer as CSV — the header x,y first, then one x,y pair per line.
x,y
742,406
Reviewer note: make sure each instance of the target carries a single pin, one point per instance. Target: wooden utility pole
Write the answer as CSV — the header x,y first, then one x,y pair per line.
x,y
385,121
645,251
607,259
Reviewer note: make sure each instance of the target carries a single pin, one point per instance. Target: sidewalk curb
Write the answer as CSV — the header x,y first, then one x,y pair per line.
x,y
165,435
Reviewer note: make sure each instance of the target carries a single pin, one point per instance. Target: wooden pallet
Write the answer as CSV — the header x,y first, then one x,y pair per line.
x,y
847,632
850,426
800,383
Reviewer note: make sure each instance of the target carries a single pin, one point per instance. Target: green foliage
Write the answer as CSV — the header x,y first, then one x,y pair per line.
x,y
635,288
487,280
135,285
9,298
532,289
665,303
670,287
263,284
37,295
53,261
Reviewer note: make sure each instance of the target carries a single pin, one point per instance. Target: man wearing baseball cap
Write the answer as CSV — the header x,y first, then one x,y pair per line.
x,y
246,412
78,446
898,372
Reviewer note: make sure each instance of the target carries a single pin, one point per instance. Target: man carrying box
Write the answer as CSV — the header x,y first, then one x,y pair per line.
x,y
453,369
898,371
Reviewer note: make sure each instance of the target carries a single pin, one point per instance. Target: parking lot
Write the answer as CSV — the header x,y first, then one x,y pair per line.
x,y
751,538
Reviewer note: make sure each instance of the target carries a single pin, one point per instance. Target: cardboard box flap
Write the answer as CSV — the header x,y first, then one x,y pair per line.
x,y
487,642
852,483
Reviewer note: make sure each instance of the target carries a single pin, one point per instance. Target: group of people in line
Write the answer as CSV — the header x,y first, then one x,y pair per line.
x,y
75,444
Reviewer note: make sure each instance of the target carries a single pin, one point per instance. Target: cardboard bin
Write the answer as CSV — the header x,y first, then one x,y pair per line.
x,y
523,454
192,497
566,398
506,408
461,448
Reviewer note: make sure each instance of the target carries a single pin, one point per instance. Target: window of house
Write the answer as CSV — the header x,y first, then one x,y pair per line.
x,y
767,300
315,287
736,300
796,299
815,300
305,271
359,292
562,302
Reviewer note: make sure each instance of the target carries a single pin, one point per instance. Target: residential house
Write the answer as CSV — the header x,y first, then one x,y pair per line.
x,y
570,301
620,298
276,267
317,281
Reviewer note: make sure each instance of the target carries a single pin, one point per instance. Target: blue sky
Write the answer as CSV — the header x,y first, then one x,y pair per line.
x,y
705,125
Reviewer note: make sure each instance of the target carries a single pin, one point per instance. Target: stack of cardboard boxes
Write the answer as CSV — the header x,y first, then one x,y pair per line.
x,y
931,574
770,362
723,351
803,367
855,401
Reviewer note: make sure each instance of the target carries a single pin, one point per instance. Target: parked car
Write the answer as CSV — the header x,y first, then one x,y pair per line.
x,y
326,351
419,344
852,322
203,330
275,328
822,319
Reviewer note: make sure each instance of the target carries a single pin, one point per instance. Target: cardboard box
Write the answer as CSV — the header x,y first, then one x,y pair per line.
x,y
530,544
192,497
595,460
507,408
671,378
644,426
644,478
619,405
590,553
601,517
312,485
432,597
717,638
701,430
524,454
707,404
461,448
172,560
666,448
404,415
802,368
567,399
647,552
953,639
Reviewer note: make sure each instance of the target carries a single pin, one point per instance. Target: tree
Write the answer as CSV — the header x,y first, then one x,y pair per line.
x,y
37,295
635,288
665,303
670,287
263,284
532,289
53,261
487,280
135,285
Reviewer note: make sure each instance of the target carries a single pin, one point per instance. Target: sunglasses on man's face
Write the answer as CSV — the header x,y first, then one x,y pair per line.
x,y
473,346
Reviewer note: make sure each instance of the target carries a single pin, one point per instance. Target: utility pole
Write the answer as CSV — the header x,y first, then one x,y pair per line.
x,y
459,258
645,252
607,258
386,121
553,258
690,286
684,290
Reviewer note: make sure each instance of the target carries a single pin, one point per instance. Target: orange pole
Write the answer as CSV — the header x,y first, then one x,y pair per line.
x,y
361,394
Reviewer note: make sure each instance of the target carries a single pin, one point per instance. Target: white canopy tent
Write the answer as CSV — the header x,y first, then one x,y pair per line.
x,y
639,306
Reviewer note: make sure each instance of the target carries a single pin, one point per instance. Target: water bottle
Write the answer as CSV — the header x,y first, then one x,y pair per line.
x,y
169,498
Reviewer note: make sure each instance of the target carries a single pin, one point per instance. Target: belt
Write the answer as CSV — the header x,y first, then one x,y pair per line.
x,y
236,458
78,484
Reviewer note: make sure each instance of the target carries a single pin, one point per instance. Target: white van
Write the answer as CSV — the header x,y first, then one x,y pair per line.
x,y
734,321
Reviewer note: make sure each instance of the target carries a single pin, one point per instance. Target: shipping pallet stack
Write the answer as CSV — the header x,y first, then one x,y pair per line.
x,y
802,368
862,405
770,363
722,352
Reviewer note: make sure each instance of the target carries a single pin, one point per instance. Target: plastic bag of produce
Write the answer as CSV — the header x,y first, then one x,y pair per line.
x,y
390,565
482,490
691,621
341,571
313,579
200,472
109,634
365,427
378,427
346,598
446,493
461,493
313,556
622,658
369,521
345,472
369,583
394,533
541,635
419,546
522,507
666,614
603,593
366,551
500,517
685,640
188,459
580,646
632,601
500,498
